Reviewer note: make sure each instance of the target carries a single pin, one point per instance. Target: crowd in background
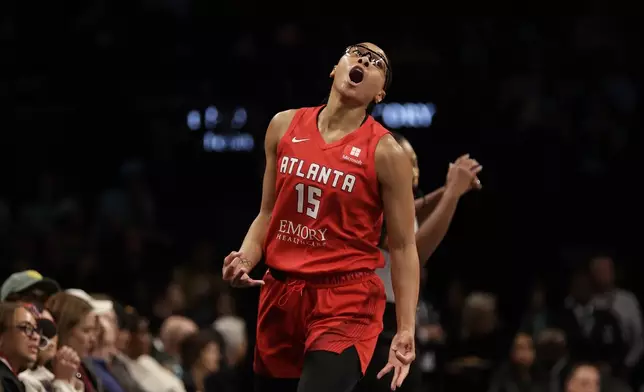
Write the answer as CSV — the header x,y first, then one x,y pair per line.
x,y
67,340
552,107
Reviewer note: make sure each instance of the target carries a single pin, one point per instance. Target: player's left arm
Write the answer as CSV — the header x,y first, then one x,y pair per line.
x,y
395,177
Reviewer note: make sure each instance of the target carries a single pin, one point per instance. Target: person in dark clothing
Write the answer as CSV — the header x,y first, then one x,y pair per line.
x,y
594,334
201,355
518,375
478,348
19,344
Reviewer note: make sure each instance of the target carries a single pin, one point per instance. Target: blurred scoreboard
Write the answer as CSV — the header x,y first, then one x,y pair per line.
x,y
224,129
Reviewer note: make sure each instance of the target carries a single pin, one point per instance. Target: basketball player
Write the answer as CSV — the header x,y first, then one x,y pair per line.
x,y
331,173
435,212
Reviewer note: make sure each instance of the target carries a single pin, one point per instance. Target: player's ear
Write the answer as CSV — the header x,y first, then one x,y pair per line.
x,y
380,96
332,74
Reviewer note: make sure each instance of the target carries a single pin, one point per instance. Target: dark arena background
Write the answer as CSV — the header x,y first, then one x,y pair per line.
x,y
132,159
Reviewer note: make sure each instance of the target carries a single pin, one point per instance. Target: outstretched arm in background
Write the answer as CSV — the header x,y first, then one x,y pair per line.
x,y
461,177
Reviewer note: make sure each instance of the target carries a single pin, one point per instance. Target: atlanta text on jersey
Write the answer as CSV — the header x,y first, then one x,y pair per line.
x,y
318,173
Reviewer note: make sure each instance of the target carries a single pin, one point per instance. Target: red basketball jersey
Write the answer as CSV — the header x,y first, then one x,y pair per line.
x,y
328,211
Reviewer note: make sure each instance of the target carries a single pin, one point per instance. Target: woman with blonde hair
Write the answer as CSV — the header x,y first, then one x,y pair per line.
x,y
77,327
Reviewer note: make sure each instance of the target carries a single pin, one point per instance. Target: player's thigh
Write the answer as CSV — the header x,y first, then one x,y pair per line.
x,y
269,384
326,371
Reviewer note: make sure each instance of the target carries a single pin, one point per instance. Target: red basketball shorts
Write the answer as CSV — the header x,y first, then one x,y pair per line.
x,y
330,313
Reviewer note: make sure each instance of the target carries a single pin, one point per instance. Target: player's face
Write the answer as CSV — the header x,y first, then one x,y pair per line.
x,y
360,74
409,150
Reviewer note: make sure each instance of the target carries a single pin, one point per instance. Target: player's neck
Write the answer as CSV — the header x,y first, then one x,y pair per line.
x,y
339,116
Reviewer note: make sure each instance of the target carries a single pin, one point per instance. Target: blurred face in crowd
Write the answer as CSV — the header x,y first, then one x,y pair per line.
x,y
602,270
584,379
83,335
140,340
411,154
210,357
523,350
106,344
21,339
49,350
174,330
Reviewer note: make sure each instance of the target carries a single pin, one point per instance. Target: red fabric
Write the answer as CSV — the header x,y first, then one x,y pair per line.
x,y
327,216
328,313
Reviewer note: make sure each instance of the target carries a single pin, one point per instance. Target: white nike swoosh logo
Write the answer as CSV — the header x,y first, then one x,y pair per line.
x,y
296,140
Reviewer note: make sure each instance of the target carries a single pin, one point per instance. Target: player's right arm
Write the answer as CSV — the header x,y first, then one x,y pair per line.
x,y
250,253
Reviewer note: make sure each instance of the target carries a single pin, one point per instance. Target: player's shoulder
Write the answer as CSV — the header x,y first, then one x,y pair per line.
x,y
388,148
283,119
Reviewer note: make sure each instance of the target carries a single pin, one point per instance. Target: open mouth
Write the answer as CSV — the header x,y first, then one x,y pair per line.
x,y
356,75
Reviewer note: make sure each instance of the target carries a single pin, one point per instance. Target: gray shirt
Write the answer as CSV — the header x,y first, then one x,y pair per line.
x,y
385,273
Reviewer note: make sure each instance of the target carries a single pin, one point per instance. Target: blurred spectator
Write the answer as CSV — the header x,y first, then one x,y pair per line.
x,y
479,347
148,373
453,312
125,322
233,331
431,337
201,354
19,343
552,358
28,286
172,302
593,334
77,329
583,378
99,307
103,354
538,317
63,362
173,331
518,375
623,304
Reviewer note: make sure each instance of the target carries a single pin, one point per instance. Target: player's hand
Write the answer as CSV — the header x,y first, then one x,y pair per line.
x,y
236,269
401,354
461,176
66,363
476,184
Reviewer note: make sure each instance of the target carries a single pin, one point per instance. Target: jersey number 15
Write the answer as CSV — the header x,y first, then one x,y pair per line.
x,y
312,195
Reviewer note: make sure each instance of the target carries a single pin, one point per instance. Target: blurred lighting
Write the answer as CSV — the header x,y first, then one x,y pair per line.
x,y
396,115
211,116
239,142
239,118
194,120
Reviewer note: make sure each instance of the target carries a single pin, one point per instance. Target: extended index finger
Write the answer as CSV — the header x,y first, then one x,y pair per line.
x,y
384,370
